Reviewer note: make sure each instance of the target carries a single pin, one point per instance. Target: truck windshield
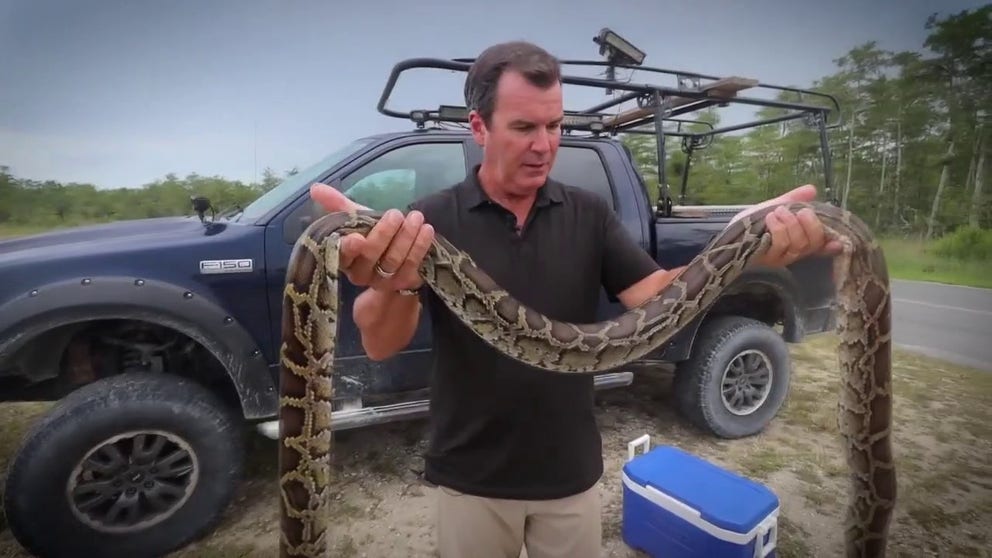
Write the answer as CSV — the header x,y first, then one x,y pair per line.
x,y
289,187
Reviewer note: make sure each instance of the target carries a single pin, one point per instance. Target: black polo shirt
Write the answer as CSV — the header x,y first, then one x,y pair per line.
x,y
500,428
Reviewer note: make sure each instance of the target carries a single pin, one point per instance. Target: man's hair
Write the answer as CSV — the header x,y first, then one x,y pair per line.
x,y
538,67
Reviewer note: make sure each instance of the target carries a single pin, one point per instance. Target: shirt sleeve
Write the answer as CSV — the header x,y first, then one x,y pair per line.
x,y
624,261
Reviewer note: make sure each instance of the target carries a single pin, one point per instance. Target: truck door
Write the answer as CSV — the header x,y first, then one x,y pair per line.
x,y
583,166
391,176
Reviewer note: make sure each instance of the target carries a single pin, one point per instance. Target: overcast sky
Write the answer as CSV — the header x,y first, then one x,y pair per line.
x,y
121,92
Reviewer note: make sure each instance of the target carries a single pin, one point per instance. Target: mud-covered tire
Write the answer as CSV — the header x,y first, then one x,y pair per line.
x,y
198,447
738,351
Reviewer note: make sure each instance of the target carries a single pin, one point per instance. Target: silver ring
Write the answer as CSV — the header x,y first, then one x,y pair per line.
x,y
383,273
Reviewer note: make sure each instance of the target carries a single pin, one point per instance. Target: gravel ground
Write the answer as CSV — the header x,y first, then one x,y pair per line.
x,y
943,439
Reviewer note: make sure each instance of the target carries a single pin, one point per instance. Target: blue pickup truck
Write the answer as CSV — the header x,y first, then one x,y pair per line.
x,y
158,339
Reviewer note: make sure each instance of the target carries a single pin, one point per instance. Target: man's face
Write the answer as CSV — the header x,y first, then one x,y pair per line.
x,y
521,141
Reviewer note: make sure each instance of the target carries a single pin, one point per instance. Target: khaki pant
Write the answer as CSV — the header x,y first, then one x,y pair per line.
x,y
474,527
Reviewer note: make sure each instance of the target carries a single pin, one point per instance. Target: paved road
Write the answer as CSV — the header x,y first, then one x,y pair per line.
x,y
952,323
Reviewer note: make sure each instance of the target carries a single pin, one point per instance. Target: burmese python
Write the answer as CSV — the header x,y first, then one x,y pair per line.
x,y
310,320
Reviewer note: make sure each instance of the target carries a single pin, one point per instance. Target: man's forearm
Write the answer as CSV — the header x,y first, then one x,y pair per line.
x,y
386,321
648,287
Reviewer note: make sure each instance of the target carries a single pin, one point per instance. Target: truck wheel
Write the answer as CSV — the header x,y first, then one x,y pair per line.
x,y
736,379
133,465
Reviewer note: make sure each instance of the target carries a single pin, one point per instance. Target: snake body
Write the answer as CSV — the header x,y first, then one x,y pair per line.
x,y
310,321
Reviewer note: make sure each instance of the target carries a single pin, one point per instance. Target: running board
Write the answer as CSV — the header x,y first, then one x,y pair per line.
x,y
358,418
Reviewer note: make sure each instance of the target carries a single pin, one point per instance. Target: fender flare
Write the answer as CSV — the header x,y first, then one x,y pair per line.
x,y
115,297
781,282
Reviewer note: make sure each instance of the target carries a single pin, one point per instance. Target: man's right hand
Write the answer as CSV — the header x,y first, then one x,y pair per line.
x,y
389,257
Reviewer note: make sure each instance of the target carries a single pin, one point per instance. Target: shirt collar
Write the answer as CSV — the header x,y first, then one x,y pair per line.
x,y
474,196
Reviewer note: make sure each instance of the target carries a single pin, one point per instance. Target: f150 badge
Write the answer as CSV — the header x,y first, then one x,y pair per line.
x,y
226,266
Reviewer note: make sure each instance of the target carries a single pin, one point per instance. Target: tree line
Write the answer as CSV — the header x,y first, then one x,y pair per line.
x,y
48,203
911,154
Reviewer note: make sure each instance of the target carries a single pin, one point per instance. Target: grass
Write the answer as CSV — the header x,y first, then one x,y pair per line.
x,y
791,541
234,550
916,260
763,462
942,436
15,419
9,231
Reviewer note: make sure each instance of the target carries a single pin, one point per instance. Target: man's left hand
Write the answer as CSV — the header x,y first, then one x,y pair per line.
x,y
794,235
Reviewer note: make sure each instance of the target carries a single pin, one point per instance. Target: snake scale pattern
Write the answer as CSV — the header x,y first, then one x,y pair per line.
x,y
310,320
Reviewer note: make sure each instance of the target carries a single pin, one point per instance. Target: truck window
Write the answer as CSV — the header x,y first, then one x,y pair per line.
x,y
582,167
406,173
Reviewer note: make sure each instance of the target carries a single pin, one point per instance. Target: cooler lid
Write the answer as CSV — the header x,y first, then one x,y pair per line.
x,y
722,498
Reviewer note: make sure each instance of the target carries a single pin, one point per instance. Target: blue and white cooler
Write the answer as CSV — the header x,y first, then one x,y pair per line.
x,y
677,505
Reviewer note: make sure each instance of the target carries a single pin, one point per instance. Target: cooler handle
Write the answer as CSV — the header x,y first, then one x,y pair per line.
x,y
644,440
767,527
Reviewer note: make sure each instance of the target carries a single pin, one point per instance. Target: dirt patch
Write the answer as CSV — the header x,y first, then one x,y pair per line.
x,y
943,438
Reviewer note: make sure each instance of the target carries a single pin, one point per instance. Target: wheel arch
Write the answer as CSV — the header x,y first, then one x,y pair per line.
x,y
35,313
768,295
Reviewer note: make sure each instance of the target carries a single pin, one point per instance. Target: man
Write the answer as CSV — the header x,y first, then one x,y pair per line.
x,y
515,452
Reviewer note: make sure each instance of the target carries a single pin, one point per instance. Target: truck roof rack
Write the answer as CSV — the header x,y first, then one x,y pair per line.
x,y
653,103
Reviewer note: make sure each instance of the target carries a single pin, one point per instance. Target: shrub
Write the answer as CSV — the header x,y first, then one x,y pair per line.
x,y
965,243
